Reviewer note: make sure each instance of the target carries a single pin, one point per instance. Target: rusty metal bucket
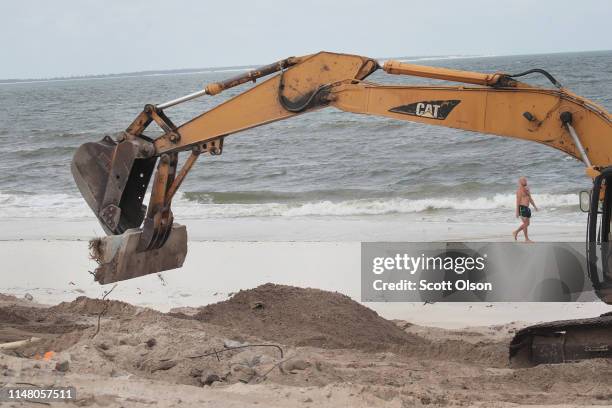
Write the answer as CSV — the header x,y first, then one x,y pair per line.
x,y
119,259
113,178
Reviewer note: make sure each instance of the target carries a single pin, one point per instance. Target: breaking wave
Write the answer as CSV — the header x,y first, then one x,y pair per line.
x,y
73,207
379,206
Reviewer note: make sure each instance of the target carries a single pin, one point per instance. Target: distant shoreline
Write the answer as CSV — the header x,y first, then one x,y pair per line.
x,y
238,68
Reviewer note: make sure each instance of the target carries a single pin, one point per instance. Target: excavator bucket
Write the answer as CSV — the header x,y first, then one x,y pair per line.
x,y
113,178
119,259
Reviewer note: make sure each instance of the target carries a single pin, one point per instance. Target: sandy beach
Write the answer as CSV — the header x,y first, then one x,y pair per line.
x,y
155,335
54,268
278,346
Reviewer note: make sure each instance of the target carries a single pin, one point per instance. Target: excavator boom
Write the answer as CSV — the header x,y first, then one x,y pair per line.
x,y
113,175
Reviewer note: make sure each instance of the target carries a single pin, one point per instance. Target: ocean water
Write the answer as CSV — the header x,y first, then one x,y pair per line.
x,y
316,165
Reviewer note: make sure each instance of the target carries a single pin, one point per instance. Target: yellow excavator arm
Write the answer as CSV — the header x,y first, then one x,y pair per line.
x,y
499,106
113,175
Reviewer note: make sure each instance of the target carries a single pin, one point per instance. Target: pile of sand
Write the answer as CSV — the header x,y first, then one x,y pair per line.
x,y
306,317
143,357
8,298
10,316
90,307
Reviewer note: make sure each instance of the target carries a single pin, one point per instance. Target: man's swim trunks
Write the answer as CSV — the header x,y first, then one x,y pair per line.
x,y
524,211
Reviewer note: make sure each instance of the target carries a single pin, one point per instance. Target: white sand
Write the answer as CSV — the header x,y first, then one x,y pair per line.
x,y
349,229
50,261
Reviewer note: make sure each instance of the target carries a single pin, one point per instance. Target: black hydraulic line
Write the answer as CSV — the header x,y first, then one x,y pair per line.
x,y
539,71
302,103
217,352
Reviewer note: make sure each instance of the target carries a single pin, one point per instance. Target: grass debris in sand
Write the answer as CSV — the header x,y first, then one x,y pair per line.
x,y
142,357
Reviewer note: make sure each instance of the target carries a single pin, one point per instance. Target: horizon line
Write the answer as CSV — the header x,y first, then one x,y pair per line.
x,y
229,68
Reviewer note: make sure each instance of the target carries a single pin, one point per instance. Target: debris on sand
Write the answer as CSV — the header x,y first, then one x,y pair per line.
x,y
209,378
306,317
18,344
147,358
293,365
163,365
62,366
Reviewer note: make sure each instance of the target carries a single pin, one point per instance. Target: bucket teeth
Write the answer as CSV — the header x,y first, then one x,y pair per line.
x,y
119,259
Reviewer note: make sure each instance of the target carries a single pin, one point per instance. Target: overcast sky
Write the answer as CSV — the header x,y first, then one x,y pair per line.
x,y
50,38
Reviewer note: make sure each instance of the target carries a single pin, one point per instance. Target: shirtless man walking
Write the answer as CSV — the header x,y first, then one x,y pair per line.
x,y
523,199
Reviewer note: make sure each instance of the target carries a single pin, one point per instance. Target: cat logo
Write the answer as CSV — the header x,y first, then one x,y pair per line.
x,y
428,109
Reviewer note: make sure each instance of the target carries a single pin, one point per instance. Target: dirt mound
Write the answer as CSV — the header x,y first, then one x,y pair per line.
x,y
491,354
7,298
8,315
87,306
57,331
306,317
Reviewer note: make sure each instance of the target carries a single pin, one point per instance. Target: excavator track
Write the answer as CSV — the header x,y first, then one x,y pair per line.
x,y
562,341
